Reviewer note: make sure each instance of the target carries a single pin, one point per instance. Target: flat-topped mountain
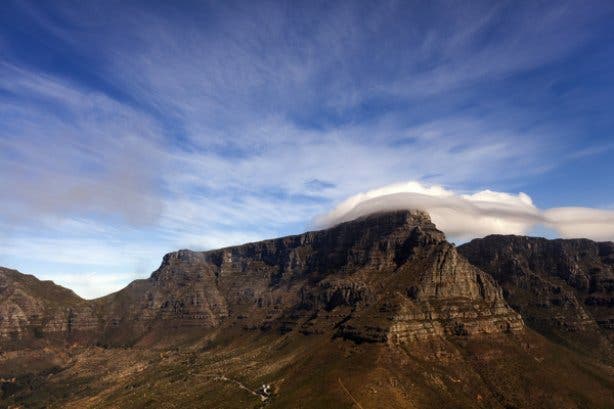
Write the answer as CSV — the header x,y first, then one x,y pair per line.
x,y
376,312
384,277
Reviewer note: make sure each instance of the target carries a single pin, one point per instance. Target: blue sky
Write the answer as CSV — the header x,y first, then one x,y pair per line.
x,y
130,129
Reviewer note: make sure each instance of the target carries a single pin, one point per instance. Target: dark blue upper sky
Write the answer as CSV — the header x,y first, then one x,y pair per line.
x,y
128,129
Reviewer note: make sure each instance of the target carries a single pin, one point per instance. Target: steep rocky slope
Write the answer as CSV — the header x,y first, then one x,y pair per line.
x,y
559,286
378,312
32,310
385,277
388,277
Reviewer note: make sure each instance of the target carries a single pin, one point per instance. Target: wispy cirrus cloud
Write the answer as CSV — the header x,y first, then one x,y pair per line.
x,y
138,130
71,150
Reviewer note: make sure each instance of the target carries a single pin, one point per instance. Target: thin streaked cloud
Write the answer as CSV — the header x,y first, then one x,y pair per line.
x,y
130,130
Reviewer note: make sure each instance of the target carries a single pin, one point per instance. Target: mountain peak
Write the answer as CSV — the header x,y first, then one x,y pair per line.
x,y
411,216
389,280
360,231
382,274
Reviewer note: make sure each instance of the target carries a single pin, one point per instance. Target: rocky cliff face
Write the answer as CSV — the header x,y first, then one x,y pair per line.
x,y
389,277
279,312
385,277
565,285
31,309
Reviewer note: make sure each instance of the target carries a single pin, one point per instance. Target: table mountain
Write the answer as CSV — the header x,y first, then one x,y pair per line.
x,y
385,277
376,312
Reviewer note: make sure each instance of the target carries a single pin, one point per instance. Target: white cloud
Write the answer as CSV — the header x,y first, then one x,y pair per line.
x,y
596,224
87,154
207,133
466,216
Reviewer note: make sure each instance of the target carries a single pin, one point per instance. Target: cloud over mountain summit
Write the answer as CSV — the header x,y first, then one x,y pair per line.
x,y
469,215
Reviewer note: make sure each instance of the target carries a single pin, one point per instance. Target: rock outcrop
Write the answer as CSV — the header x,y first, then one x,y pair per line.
x,y
562,285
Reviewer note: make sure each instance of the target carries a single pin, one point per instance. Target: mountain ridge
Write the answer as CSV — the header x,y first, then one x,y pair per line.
x,y
276,257
563,288
381,308
289,277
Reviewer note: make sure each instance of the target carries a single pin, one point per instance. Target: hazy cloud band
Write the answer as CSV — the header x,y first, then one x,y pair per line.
x,y
465,216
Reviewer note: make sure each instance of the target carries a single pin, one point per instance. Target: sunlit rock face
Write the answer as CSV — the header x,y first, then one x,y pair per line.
x,y
388,277
562,285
